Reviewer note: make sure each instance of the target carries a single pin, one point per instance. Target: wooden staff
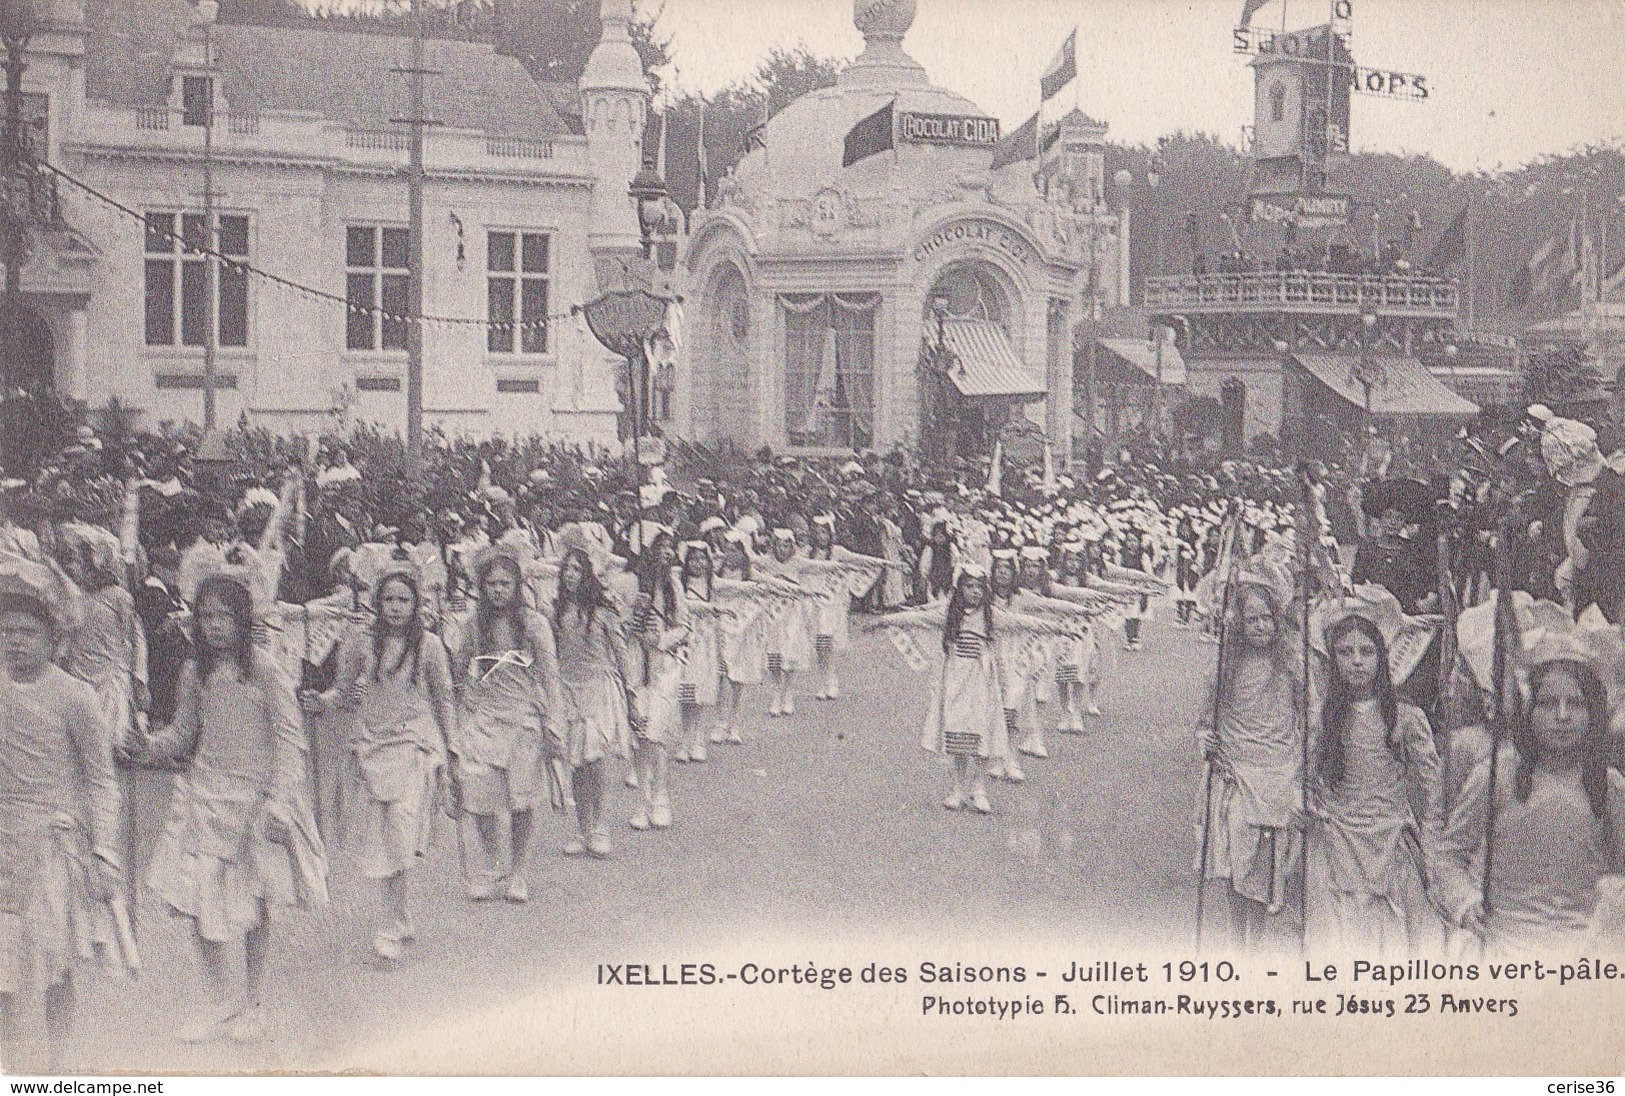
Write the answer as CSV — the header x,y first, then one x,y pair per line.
x,y
1305,552
1445,713
1506,634
1230,537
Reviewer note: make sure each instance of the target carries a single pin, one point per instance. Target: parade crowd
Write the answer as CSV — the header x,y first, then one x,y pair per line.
x,y
297,632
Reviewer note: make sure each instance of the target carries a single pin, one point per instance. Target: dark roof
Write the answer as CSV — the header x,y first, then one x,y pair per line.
x,y
341,75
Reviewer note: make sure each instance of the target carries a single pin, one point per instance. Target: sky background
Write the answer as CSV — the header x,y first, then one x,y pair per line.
x,y
1511,80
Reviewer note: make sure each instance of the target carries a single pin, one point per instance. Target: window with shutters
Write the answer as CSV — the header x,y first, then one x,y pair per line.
x,y
177,279
517,266
377,267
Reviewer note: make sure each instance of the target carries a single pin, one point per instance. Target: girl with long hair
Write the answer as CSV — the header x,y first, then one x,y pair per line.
x,y
831,620
659,629
965,721
937,564
790,641
60,845
240,836
982,646
593,673
1368,846
1078,668
509,724
108,647
1255,748
697,685
743,650
395,678
1557,819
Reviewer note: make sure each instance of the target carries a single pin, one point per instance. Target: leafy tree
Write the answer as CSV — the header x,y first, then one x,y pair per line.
x,y
552,38
1559,375
733,114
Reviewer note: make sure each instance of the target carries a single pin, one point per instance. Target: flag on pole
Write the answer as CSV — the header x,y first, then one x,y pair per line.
x,y
874,134
1249,9
702,160
1023,144
1063,68
1451,246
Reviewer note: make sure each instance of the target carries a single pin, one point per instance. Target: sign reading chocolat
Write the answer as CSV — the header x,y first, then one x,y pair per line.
x,y
976,231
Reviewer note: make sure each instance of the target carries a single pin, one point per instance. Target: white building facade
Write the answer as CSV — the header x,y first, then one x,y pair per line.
x,y
816,287
305,147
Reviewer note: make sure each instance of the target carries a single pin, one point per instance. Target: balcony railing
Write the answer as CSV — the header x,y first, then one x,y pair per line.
x,y
1303,291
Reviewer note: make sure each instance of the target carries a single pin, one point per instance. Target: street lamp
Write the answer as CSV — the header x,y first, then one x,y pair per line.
x,y
1366,372
650,192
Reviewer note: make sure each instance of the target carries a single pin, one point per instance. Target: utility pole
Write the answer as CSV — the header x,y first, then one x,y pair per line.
x,y
414,235
18,205
211,233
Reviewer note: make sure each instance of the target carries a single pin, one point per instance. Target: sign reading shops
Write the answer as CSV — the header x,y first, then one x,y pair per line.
x,y
989,233
948,129
1303,210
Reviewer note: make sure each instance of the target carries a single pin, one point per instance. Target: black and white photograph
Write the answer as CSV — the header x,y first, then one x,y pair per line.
x,y
767,538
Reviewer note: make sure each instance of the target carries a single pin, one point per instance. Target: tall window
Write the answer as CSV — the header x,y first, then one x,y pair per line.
x,y
516,266
829,374
1277,103
177,276
377,263
197,100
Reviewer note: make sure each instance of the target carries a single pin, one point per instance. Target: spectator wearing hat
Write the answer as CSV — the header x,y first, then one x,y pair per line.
x,y
1593,569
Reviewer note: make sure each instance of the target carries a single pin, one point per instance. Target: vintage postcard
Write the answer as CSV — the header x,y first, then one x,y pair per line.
x,y
895,537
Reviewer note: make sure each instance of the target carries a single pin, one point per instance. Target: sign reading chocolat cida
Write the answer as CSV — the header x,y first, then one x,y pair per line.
x,y
948,129
989,233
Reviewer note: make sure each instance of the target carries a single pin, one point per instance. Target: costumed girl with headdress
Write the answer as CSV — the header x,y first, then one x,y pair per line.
x,y
1376,804
790,641
240,836
395,677
966,717
938,562
659,630
594,670
509,728
1256,752
1559,801
108,648
697,689
59,821
743,652
1003,587
1077,664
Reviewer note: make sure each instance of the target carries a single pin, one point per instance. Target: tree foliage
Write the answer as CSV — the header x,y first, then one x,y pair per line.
x,y
552,38
732,115
1560,375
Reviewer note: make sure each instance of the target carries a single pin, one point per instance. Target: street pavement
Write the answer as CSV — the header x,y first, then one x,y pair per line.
x,y
826,824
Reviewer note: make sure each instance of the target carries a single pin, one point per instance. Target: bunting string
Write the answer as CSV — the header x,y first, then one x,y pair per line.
x,y
310,292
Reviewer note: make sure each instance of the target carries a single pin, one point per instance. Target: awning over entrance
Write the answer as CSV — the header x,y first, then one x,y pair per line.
x,y
1399,385
987,365
1142,355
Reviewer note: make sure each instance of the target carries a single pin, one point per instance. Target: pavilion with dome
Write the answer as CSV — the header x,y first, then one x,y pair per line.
x,y
838,309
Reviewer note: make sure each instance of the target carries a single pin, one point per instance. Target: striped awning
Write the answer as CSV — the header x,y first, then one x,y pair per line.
x,y
1399,385
985,362
1142,354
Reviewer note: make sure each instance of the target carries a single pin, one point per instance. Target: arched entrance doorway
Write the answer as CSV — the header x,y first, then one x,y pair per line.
x,y
30,413
965,295
727,400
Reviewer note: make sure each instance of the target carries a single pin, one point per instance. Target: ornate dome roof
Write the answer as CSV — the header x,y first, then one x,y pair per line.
x,y
805,141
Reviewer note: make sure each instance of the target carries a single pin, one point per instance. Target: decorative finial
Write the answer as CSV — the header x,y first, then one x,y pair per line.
x,y
883,20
